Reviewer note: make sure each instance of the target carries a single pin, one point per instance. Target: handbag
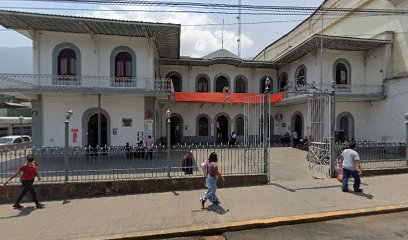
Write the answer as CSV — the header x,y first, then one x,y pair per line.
x,y
340,175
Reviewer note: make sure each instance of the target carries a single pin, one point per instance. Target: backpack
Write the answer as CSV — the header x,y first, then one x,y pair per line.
x,y
204,168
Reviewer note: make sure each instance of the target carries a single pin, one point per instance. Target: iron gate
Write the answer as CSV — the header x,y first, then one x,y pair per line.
x,y
319,135
257,125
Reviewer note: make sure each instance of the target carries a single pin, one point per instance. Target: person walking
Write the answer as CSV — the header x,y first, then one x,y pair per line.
x,y
30,171
295,138
233,140
350,164
211,181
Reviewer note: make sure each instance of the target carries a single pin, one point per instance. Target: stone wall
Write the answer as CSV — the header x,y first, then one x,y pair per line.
x,y
10,193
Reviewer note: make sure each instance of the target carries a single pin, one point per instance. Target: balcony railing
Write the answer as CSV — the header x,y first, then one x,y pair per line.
x,y
341,90
38,82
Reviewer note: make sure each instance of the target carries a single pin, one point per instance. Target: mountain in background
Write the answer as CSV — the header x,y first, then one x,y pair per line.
x,y
16,60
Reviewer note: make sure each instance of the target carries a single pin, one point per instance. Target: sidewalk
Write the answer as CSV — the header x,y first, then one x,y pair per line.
x,y
98,217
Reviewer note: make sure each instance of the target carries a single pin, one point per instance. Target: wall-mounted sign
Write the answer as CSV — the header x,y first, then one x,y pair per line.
x,y
114,131
127,122
74,135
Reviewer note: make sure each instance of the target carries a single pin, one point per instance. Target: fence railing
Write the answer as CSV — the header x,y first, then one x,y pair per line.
x,y
293,90
117,163
71,82
377,154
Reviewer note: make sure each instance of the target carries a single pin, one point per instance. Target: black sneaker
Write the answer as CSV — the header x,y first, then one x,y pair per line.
x,y
17,206
39,205
344,190
202,201
217,202
358,190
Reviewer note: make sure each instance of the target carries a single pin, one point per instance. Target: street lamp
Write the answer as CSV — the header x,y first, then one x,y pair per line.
x,y
406,135
21,126
168,116
68,116
333,151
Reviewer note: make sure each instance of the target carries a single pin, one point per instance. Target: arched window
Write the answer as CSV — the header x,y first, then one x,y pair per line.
x,y
203,126
123,65
67,64
283,82
341,74
345,127
220,83
263,84
176,80
240,85
301,76
240,126
202,84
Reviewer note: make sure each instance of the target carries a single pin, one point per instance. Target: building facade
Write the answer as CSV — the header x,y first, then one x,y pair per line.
x,y
115,76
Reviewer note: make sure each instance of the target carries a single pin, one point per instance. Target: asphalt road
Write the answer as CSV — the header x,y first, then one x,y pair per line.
x,y
380,227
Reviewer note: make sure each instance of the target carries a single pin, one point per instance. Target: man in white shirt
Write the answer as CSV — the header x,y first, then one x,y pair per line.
x,y
350,163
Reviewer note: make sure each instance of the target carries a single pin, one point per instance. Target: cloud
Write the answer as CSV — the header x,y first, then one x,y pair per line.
x,y
196,41
132,15
200,40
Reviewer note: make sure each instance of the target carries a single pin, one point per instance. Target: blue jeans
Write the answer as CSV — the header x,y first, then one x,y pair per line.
x,y
212,183
346,176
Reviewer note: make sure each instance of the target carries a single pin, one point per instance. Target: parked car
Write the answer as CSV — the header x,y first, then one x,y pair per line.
x,y
16,141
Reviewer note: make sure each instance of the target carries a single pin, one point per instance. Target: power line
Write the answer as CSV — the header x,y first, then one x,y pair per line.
x,y
232,8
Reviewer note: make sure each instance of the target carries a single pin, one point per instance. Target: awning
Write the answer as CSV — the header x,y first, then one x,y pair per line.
x,y
330,42
166,35
235,98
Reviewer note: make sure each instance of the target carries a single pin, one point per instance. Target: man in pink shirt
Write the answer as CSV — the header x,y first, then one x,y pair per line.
x,y
149,147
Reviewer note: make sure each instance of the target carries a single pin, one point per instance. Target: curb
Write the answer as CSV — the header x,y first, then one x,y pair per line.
x,y
218,229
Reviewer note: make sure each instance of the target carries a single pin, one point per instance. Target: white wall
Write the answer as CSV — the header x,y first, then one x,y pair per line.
x,y
366,69
95,53
118,107
189,76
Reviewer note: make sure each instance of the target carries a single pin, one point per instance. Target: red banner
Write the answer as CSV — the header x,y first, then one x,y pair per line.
x,y
236,98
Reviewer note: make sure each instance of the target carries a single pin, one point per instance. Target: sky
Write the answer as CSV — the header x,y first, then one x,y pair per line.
x,y
201,33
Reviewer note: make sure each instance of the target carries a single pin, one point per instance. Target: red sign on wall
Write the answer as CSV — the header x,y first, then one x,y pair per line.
x,y
74,135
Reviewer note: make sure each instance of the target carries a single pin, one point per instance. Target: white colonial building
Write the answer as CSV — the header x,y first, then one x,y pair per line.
x,y
114,76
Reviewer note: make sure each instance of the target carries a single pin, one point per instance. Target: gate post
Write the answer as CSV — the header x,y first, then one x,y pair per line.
x,y
266,121
265,135
333,151
406,135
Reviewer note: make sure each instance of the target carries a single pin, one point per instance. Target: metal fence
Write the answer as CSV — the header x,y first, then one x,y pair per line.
x,y
116,163
70,82
378,155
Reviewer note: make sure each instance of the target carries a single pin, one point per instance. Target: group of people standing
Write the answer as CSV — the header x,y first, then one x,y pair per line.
x,y
140,150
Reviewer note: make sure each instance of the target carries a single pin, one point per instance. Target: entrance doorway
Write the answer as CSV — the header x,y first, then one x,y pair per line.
x,y
297,125
175,130
222,129
93,131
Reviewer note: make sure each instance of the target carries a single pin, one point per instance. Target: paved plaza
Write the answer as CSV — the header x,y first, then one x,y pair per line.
x,y
293,191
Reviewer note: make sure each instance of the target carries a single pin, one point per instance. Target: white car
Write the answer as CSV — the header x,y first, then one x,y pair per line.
x,y
15,141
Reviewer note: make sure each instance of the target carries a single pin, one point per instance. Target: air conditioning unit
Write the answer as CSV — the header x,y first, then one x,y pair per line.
x,y
278,116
